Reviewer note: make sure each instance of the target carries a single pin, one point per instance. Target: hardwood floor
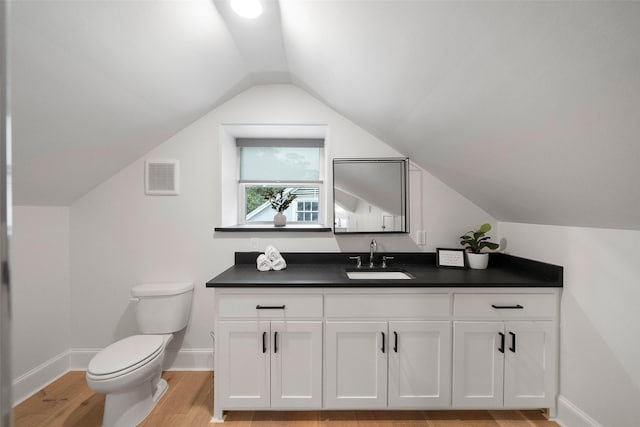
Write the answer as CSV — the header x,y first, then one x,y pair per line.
x,y
68,402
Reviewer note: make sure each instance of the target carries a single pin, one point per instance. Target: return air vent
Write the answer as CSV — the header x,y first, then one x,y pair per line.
x,y
161,177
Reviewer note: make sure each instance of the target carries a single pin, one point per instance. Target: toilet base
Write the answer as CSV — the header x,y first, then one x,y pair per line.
x,y
132,407
161,388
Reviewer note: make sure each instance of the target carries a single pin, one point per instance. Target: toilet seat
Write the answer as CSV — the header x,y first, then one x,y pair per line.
x,y
125,356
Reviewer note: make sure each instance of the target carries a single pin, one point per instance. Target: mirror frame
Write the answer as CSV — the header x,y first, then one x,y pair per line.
x,y
404,188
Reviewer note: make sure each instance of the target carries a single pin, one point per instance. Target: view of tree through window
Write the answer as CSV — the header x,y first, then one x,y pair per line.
x,y
255,197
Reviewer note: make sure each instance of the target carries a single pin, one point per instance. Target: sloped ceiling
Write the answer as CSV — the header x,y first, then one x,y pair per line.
x,y
529,109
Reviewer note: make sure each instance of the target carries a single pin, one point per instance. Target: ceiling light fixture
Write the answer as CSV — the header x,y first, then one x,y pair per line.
x,y
247,8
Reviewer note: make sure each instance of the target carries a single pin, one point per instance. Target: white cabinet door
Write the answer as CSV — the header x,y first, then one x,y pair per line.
x,y
530,364
478,364
419,364
356,365
243,364
296,364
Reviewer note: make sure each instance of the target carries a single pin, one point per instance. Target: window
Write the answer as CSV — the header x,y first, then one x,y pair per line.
x,y
307,211
290,166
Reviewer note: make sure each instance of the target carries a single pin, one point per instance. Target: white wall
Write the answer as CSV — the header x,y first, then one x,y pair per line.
x,y
600,316
120,237
39,296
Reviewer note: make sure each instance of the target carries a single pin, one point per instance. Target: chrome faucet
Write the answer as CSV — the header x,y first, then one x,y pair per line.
x,y
373,246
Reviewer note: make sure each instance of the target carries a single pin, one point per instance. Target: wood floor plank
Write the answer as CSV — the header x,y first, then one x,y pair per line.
x,y
65,402
69,402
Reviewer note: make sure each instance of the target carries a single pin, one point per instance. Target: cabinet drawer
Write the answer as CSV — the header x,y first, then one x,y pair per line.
x,y
504,306
272,306
388,305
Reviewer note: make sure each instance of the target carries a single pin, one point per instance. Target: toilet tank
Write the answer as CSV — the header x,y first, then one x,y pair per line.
x,y
162,308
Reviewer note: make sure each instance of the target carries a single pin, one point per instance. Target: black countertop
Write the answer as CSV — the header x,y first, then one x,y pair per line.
x,y
328,269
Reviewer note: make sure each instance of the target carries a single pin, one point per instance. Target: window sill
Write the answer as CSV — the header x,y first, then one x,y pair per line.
x,y
269,227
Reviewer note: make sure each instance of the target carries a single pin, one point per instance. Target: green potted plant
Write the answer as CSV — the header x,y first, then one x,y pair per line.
x,y
279,201
475,241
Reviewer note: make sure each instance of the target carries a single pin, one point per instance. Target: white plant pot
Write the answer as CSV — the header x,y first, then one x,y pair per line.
x,y
279,220
478,261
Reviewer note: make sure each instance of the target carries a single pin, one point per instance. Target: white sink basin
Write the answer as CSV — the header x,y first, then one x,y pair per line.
x,y
373,275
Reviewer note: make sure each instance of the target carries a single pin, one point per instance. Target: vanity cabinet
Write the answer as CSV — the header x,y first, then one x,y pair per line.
x,y
267,360
375,365
386,348
356,365
507,358
374,362
419,364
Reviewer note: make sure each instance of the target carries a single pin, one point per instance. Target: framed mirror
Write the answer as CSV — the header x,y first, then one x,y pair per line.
x,y
370,195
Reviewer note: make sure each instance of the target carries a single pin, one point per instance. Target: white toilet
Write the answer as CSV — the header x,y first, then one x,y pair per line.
x,y
128,371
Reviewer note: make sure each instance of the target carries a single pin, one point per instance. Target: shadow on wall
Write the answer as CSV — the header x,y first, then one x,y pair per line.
x,y
173,349
386,243
127,325
582,347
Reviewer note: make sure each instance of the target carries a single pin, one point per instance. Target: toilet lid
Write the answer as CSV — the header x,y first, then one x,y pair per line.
x,y
125,353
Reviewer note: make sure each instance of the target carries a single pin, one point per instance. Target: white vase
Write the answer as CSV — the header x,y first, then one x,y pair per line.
x,y
478,261
279,220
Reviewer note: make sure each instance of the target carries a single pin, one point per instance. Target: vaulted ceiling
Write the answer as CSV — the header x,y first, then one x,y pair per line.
x,y
529,109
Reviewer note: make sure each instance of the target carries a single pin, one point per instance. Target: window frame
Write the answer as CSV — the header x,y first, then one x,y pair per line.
x,y
242,184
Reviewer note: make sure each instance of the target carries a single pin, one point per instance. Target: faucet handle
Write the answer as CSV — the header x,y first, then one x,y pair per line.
x,y
384,260
358,260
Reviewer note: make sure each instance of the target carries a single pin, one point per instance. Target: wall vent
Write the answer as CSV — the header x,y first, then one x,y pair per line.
x,y
161,177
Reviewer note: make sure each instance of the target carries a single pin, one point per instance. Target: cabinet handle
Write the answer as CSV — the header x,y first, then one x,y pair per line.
x,y
395,341
275,342
270,307
513,342
382,341
506,307
264,342
501,348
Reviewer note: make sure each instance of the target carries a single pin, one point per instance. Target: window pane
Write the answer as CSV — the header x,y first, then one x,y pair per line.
x,y
300,216
280,163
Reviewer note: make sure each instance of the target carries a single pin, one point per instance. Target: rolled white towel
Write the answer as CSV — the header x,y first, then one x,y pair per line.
x,y
272,253
279,264
275,258
263,263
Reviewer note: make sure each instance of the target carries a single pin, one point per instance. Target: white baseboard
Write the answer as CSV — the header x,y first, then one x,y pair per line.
x,y
189,359
33,381
77,359
569,415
